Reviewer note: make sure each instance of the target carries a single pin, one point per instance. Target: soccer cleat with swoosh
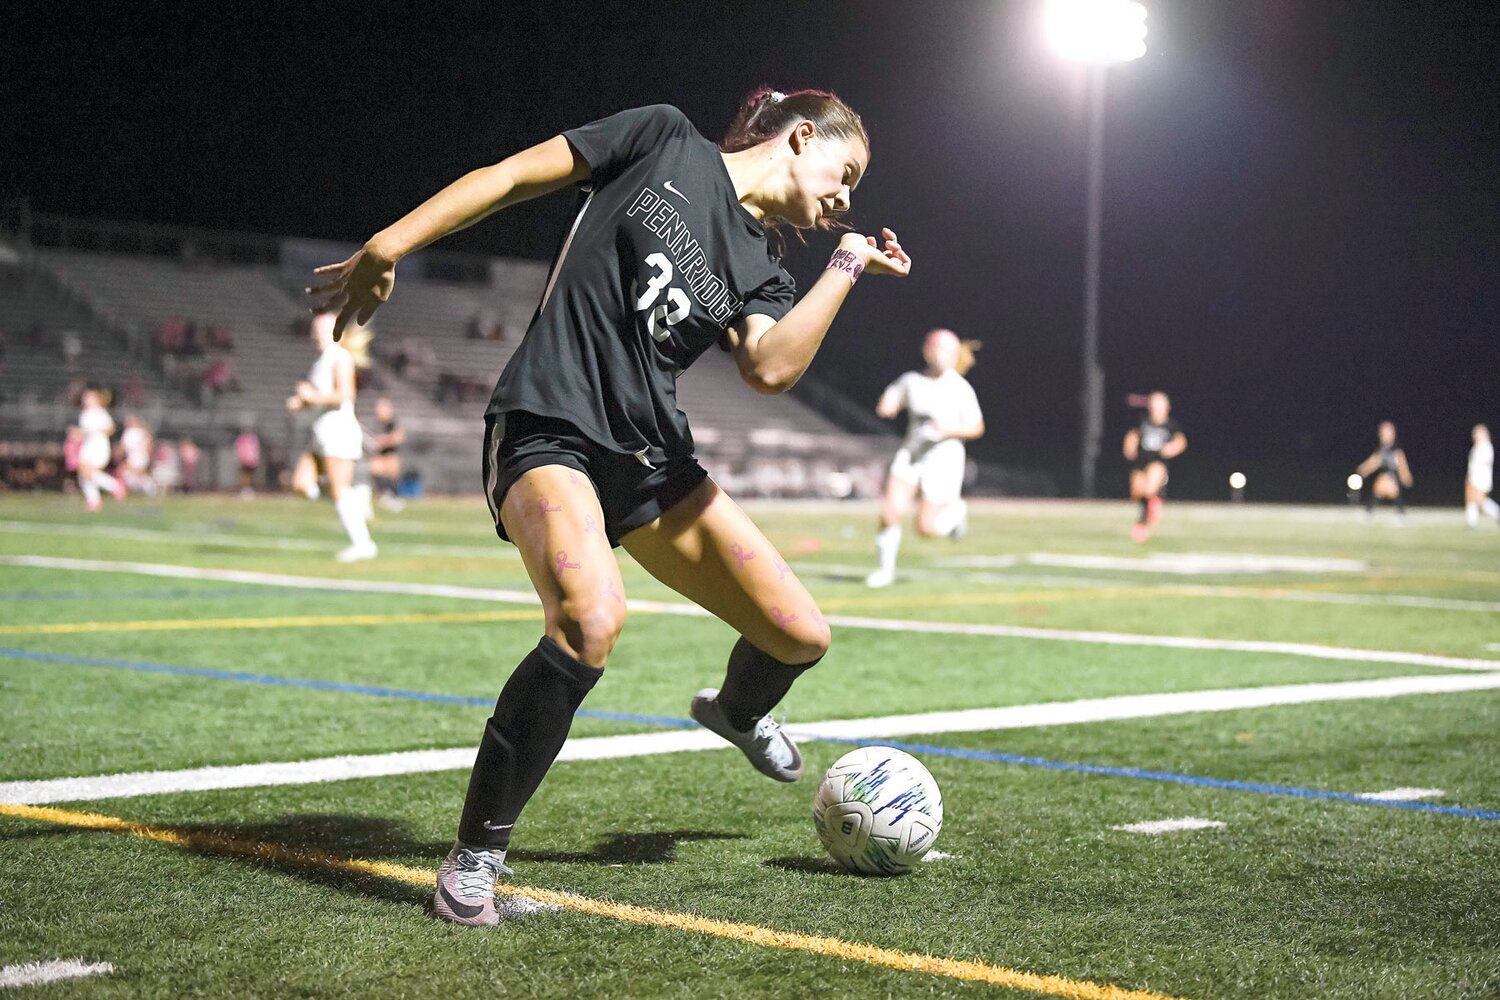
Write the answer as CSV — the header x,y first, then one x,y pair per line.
x,y
466,886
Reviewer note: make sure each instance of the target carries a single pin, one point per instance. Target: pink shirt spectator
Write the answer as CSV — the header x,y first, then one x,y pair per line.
x,y
247,450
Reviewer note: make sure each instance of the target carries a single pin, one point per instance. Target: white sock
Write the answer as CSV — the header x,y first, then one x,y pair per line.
x,y
90,492
887,544
1471,514
106,482
1492,508
312,492
950,517
352,516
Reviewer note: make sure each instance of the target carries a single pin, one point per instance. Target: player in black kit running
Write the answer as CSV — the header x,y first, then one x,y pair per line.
x,y
585,448
1149,447
1386,474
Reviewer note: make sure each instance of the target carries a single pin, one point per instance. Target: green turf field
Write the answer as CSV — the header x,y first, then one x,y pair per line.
x,y
207,632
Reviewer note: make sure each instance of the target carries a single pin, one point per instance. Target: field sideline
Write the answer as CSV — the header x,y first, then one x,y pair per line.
x,y
1256,757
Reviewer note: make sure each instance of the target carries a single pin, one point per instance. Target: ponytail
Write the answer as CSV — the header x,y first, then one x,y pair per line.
x,y
966,350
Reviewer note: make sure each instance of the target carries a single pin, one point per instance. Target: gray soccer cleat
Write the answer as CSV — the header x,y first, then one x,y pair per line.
x,y
767,746
466,886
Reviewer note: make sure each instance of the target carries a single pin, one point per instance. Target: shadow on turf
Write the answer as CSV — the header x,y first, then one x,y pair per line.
x,y
811,866
626,849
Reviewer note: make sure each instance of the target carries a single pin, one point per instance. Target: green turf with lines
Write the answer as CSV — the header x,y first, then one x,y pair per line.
x,y
1292,898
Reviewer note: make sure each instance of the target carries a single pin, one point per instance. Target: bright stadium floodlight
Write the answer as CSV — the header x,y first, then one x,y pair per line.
x,y
1096,31
1236,480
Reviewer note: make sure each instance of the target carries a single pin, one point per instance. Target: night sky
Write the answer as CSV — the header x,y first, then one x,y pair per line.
x,y
1302,197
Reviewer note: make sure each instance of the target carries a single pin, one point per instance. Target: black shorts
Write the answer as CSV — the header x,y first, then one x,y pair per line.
x,y
631,492
1143,459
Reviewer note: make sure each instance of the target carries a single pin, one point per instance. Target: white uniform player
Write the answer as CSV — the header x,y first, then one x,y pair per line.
x,y
927,459
336,431
337,438
1480,479
94,451
942,412
135,441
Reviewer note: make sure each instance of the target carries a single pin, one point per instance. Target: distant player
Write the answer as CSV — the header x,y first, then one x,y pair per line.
x,y
136,443
942,413
585,447
1481,478
94,451
1148,448
1386,474
337,438
385,463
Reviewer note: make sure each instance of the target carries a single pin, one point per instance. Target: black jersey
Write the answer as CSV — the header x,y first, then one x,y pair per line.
x,y
1154,437
1388,462
661,259
389,429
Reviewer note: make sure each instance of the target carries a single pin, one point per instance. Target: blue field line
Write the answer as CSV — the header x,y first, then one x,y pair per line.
x,y
120,595
300,682
664,721
1173,778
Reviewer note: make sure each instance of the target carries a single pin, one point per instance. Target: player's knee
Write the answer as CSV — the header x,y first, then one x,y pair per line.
x,y
591,627
806,641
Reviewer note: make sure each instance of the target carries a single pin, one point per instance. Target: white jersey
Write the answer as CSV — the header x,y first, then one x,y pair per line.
x,y
1482,466
321,375
948,400
97,426
137,444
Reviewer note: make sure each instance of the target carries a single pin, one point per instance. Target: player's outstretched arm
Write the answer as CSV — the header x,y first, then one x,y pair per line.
x,y
1403,471
772,355
1132,445
1174,447
1369,465
356,287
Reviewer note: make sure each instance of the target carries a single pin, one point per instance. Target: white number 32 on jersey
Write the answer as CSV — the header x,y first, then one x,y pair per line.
x,y
660,316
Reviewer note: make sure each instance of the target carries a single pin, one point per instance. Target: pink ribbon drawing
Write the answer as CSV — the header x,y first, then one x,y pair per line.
x,y
548,509
740,555
782,620
562,563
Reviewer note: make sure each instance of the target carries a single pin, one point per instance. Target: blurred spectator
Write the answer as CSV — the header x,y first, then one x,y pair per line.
x,y
36,338
72,444
219,339
71,347
166,467
188,456
219,378
247,453
485,325
134,393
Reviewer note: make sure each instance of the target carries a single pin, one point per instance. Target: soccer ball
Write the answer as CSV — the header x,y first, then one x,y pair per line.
x,y
878,811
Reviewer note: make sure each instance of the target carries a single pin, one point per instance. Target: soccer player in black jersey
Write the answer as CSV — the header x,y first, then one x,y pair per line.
x,y
585,448
1149,447
1386,473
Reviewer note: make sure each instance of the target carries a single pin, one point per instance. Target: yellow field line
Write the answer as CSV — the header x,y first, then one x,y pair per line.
x,y
286,621
1059,986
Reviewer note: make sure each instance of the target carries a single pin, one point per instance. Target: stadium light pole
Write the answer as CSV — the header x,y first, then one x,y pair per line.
x,y
1098,33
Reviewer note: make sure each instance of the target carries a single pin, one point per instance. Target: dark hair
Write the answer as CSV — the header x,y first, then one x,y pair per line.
x,y
766,113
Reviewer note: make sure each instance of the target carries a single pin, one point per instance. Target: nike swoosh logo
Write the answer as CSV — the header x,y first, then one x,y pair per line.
x,y
669,187
503,826
459,909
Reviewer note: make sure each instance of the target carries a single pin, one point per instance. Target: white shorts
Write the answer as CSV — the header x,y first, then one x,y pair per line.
x,y
936,470
1483,483
94,453
337,434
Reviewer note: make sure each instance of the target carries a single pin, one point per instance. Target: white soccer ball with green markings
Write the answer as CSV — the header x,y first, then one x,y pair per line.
x,y
878,811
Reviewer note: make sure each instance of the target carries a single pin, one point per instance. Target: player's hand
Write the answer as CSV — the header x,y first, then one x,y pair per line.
x,y
890,259
355,288
294,403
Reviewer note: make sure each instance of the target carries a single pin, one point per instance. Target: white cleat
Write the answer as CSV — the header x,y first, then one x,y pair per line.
x,y
881,578
357,553
465,891
766,744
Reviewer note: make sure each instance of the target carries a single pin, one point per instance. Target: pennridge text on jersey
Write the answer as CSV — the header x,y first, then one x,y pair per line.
x,y
658,215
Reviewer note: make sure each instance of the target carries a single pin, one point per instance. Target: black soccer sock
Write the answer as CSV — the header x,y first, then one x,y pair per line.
x,y
754,682
1145,510
521,740
1370,499
1400,503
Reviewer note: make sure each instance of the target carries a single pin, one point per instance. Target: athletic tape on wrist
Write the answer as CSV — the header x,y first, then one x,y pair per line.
x,y
847,263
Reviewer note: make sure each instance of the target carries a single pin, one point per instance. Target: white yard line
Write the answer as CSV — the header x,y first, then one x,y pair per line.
x,y
1177,563
1157,827
37,973
844,621
1405,794
341,768
188,537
